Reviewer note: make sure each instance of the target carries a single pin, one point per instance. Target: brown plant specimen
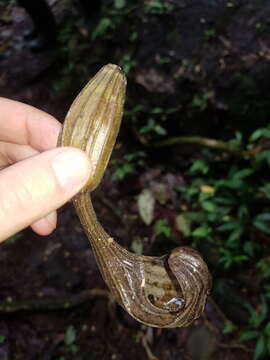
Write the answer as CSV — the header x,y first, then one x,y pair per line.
x,y
167,291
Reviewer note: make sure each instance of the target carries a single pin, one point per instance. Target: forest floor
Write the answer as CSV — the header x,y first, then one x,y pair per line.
x,y
53,301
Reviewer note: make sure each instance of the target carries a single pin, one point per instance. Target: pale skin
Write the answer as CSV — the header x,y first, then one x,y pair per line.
x,y
36,178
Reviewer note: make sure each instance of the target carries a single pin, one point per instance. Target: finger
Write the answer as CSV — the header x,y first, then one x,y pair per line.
x,y
12,153
23,124
33,188
45,225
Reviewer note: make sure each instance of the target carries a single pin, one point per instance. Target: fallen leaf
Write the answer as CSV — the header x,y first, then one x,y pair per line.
x,y
182,225
146,206
161,192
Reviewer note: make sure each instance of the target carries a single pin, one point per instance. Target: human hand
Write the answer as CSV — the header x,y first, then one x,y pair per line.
x,y
36,178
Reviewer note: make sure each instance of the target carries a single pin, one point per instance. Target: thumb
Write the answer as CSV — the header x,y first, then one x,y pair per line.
x,y
33,188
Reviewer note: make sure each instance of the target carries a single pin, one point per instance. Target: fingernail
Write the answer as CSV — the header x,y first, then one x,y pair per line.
x,y
71,168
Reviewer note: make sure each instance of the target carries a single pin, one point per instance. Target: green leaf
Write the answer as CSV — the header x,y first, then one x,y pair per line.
x,y
263,310
101,28
2,339
249,335
119,4
138,108
229,328
156,110
199,166
148,127
225,200
201,231
268,346
249,247
238,259
265,189
70,335
122,171
160,130
259,133
162,227
256,318
260,348
74,348
228,226
263,156
208,206
157,4
263,217
261,226
235,235
243,211
134,155
243,173
267,329
180,188
230,184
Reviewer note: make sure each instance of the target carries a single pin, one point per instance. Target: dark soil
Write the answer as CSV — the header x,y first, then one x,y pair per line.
x,y
46,282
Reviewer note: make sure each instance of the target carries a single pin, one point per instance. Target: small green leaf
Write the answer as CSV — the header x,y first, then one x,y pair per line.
x,y
156,110
263,310
199,166
267,329
122,171
260,348
249,335
70,335
261,157
235,235
119,4
229,328
243,173
227,226
162,227
160,130
2,339
259,133
229,200
263,217
268,346
262,226
101,28
208,206
249,247
201,231
74,348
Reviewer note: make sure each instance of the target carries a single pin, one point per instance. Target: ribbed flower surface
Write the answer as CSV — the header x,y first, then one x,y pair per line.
x,y
93,120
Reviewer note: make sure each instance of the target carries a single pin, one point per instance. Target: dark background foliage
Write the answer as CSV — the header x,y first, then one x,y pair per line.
x,y
191,167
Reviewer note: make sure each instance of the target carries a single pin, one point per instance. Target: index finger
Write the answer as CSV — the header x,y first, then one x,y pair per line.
x,y
23,124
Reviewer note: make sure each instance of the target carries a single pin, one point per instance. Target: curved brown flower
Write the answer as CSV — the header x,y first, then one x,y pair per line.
x,y
167,291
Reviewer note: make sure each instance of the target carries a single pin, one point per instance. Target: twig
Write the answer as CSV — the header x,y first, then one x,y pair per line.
x,y
202,141
147,349
50,303
235,346
215,144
